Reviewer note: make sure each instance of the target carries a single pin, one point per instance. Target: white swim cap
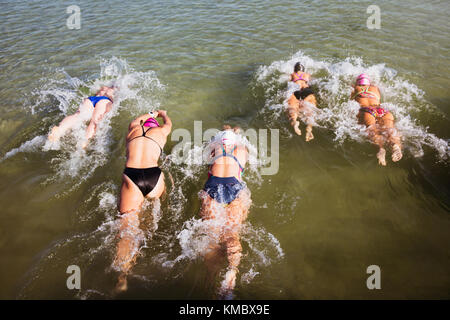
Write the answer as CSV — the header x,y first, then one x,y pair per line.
x,y
227,137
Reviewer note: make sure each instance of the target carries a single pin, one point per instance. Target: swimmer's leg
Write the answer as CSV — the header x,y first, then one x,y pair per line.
x,y
309,135
70,121
208,212
159,189
214,258
293,116
208,204
131,199
306,107
214,254
396,152
381,156
309,116
374,135
393,136
99,111
127,248
237,212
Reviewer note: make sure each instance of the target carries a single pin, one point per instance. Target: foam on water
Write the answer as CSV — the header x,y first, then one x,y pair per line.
x,y
247,277
33,145
334,80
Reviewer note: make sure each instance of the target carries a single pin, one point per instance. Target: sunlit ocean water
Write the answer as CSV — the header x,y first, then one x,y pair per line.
x,y
313,228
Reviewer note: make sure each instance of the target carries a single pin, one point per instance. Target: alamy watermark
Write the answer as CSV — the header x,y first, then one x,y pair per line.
x,y
374,281
191,150
74,280
374,20
74,20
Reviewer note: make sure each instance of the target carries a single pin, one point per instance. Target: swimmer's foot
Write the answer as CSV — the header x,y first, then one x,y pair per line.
x,y
297,129
396,153
381,156
122,284
309,135
84,144
54,134
228,284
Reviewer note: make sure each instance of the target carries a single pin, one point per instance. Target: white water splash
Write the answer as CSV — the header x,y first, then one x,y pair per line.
x,y
248,276
139,92
334,80
33,145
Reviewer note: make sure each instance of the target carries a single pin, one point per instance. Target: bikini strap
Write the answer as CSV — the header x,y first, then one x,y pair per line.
x,y
299,78
224,153
144,136
145,132
366,91
229,155
142,127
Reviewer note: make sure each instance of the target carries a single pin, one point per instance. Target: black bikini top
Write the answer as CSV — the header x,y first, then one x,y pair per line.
x,y
144,132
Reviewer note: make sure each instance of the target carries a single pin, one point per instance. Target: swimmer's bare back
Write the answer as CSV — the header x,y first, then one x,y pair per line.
x,y
368,99
141,153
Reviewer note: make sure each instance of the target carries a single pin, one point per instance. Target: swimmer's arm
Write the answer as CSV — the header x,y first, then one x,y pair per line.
x,y
167,126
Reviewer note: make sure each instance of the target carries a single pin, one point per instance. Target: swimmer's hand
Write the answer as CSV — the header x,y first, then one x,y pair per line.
x,y
162,113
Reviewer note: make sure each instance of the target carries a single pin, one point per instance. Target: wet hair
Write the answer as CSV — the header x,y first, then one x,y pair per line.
x,y
299,67
303,93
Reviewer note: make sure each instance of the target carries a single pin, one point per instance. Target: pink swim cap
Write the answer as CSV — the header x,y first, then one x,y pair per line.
x,y
151,122
363,80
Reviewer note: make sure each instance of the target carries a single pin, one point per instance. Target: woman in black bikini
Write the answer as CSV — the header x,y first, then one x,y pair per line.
x,y
302,102
142,178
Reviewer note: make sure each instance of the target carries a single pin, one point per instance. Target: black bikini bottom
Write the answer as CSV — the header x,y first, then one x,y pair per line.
x,y
303,93
145,179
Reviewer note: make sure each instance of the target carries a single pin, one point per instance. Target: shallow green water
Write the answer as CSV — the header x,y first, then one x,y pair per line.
x,y
314,227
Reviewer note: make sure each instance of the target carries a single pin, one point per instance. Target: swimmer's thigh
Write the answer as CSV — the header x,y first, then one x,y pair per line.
x,y
131,196
158,190
387,120
366,118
